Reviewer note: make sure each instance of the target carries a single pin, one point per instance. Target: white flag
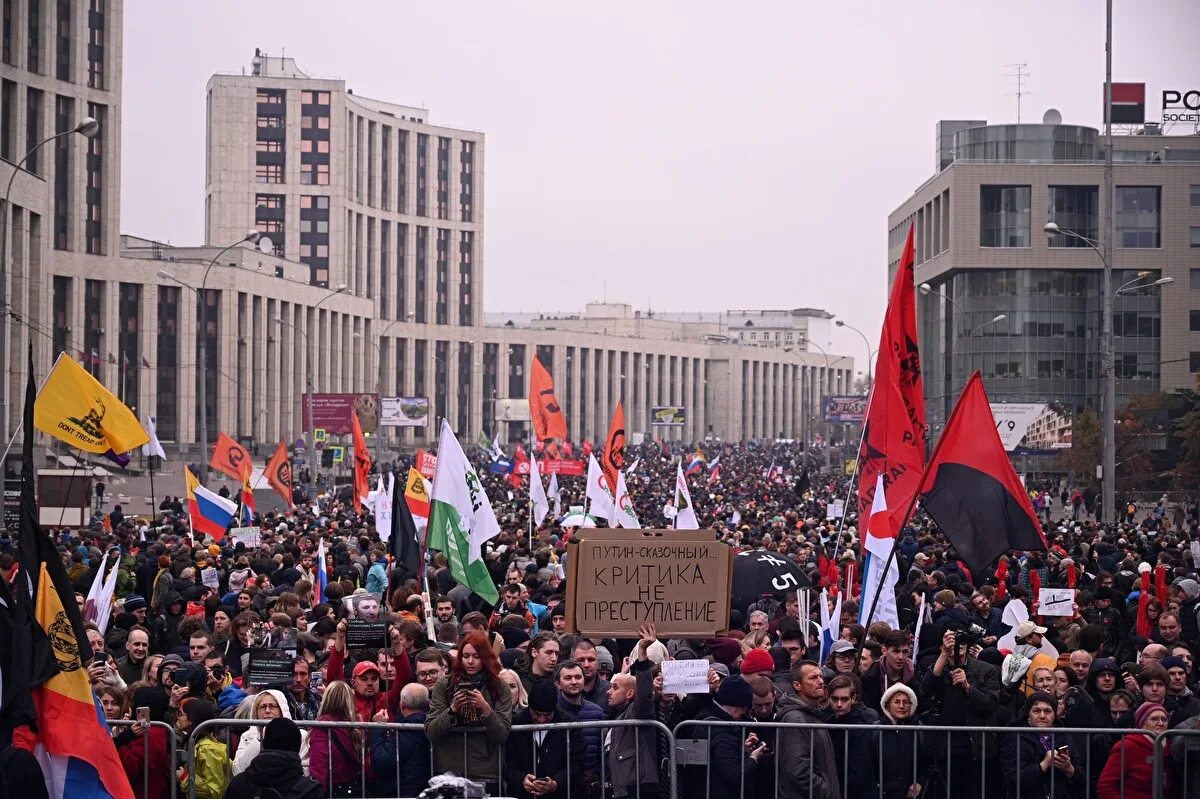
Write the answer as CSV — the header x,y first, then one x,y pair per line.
x,y
623,515
497,453
831,623
556,495
98,606
461,519
383,506
152,447
685,513
537,493
878,542
598,495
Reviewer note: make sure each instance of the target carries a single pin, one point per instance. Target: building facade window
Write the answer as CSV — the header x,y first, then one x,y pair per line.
x,y
270,156
385,269
1194,321
422,174
401,270
314,138
93,326
34,106
64,114
270,219
129,343
166,367
1137,211
7,10
61,308
402,171
1004,216
385,168
442,297
96,44
62,41
463,385
8,132
466,182
443,178
1194,362
1194,196
268,173
421,273
33,31
94,191
314,237
1075,208
466,277
1194,237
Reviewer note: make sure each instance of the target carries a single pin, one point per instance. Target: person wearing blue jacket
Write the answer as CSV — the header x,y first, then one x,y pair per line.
x,y
400,758
377,578
568,678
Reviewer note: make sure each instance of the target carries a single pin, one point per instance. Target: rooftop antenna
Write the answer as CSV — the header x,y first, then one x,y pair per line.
x,y
1020,75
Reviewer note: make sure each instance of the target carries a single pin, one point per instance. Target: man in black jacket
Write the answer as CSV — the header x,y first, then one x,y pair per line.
x,y
966,692
544,764
276,767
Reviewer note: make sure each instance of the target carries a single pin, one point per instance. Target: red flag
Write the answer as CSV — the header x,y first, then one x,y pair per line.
x,y
1160,584
1143,611
279,473
971,490
544,410
362,463
1002,578
612,460
894,437
1072,576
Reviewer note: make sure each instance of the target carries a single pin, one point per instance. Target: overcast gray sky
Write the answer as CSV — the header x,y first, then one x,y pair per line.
x,y
686,155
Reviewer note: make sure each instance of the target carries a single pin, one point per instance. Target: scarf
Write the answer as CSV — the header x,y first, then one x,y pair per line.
x,y
478,682
887,677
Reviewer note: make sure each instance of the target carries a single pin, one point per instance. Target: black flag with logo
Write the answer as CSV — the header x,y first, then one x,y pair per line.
x,y
405,541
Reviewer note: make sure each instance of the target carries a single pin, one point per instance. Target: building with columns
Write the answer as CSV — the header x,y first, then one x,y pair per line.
x,y
368,279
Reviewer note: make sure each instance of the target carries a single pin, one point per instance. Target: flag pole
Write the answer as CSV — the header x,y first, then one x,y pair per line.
x,y
153,499
862,436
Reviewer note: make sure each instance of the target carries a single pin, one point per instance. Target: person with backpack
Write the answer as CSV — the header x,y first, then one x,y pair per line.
x,y
276,771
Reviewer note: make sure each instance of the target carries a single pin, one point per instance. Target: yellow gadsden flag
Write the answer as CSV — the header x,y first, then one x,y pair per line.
x,y
76,408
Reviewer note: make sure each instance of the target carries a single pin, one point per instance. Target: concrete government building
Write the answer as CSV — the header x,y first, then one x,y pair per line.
x,y
981,252
372,281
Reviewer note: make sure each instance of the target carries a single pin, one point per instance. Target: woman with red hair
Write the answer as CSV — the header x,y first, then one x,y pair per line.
x,y
470,713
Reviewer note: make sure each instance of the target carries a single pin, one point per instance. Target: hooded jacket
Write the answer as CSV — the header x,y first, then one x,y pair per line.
x,y
805,757
250,743
852,749
272,768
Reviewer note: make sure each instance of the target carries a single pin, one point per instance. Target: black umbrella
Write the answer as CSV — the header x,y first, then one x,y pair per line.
x,y
760,572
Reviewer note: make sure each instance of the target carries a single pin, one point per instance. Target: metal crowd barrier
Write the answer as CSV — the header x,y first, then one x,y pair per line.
x,y
497,784
172,746
934,750
686,766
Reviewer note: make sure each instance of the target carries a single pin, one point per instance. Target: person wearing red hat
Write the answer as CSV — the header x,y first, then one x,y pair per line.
x,y
757,661
1129,771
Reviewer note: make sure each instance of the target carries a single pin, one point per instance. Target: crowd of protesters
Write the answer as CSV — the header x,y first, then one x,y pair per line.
x,y
178,648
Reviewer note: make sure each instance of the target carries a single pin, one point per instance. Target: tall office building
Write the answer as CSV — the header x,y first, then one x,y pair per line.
x,y
982,253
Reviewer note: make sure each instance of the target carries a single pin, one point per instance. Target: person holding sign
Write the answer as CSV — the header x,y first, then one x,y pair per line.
x,y
634,750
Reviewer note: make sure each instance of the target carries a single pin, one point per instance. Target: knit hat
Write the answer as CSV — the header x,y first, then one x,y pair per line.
x,y
543,696
757,660
281,735
735,692
724,650
1144,710
898,688
1174,662
134,602
604,659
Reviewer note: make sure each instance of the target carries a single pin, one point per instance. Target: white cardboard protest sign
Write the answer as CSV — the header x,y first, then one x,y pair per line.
x,y
1196,553
685,676
210,578
250,536
1056,601
835,509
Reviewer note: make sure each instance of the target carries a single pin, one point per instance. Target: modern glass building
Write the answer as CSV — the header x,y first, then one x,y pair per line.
x,y
997,295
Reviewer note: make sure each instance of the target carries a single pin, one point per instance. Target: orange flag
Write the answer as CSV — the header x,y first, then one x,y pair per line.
x,y
231,458
612,460
362,464
544,410
279,473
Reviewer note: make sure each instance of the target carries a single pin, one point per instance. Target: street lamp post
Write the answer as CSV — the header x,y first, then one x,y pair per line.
x,y
308,372
253,237
821,396
1108,356
870,375
88,128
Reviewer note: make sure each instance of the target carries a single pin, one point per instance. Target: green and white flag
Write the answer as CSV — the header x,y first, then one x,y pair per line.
x,y
484,443
461,517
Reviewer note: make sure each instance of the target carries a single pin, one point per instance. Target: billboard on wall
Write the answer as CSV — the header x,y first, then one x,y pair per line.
x,y
1032,427
668,415
845,410
512,410
403,411
332,412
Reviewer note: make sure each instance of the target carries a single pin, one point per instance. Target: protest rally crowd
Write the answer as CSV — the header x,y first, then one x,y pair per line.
x,y
179,647
929,626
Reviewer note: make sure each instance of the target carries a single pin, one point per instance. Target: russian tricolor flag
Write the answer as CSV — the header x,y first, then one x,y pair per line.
x,y
714,470
322,574
695,467
210,512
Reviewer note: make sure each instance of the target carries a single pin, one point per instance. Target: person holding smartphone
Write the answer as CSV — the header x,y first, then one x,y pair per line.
x,y
1041,762
144,747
